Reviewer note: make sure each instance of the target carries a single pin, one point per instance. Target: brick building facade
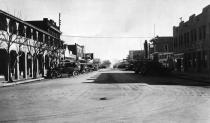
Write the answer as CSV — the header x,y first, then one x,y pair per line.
x,y
191,43
162,50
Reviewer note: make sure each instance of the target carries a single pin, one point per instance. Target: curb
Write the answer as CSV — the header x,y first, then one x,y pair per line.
x,y
20,82
193,78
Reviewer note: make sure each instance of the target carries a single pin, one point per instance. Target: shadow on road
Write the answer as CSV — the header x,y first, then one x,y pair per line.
x,y
126,78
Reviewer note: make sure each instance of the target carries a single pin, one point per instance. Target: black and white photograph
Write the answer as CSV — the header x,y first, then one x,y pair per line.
x,y
104,61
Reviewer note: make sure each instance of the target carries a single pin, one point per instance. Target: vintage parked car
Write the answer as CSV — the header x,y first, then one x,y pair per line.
x,y
70,68
91,67
150,67
83,68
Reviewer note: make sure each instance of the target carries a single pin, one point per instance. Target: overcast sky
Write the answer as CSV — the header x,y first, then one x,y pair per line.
x,y
112,18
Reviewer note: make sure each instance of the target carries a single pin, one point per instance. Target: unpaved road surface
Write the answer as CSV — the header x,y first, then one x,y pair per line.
x,y
107,96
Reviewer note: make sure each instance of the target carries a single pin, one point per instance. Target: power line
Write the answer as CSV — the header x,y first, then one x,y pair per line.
x,y
83,36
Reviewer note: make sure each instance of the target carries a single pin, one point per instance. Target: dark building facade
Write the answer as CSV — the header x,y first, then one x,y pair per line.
x,y
162,44
191,43
136,55
48,26
89,56
162,50
77,50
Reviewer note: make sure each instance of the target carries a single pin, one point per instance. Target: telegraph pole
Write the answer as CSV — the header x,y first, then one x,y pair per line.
x,y
59,20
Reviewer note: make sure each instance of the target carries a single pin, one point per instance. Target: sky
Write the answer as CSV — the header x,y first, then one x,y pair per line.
x,y
128,22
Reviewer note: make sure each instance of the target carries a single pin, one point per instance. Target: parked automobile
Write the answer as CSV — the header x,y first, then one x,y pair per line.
x,y
53,73
83,68
70,68
150,67
90,67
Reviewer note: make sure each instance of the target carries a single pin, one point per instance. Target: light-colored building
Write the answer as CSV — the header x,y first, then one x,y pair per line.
x,y
26,51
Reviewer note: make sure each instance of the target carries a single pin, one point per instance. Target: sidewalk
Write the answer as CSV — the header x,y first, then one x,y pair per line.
x,y
5,84
200,77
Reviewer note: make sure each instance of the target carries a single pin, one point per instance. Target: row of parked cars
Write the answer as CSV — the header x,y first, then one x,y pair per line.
x,y
145,67
71,69
150,67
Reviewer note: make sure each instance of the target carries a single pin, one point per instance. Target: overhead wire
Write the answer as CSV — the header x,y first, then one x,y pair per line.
x,y
83,36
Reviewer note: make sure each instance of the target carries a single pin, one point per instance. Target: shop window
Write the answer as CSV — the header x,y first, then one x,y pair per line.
x,y
181,41
185,40
188,39
191,36
195,34
205,60
204,31
200,33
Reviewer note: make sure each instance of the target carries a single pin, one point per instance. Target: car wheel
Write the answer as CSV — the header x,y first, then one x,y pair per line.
x,y
59,75
53,74
75,73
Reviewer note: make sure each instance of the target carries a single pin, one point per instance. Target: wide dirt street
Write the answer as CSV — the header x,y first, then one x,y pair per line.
x,y
107,96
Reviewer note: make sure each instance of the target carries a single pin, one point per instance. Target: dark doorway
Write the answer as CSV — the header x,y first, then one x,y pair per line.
x,y
3,62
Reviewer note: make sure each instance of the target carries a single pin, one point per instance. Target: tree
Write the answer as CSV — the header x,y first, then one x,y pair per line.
x,y
106,63
97,61
39,45
9,36
13,33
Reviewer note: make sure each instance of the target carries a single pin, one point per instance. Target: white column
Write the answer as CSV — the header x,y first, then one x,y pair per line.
x,y
17,26
37,60
26,76
18,57
44,42
8,20
37,65
32,67
18,68
25,31
44,66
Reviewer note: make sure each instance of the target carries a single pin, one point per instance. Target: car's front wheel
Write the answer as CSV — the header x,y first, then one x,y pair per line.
x,y
59,75
75,73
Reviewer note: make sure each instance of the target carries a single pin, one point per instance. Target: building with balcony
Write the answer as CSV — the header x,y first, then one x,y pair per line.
x,y
26,50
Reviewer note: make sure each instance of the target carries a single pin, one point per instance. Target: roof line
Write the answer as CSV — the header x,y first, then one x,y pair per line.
x,y
24,22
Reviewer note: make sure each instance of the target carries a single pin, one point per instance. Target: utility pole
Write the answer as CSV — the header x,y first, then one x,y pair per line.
x,y
59,20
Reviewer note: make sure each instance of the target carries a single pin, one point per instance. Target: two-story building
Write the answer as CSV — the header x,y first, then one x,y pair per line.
x,y
25,48
77,50
135,55
191,43
162,50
